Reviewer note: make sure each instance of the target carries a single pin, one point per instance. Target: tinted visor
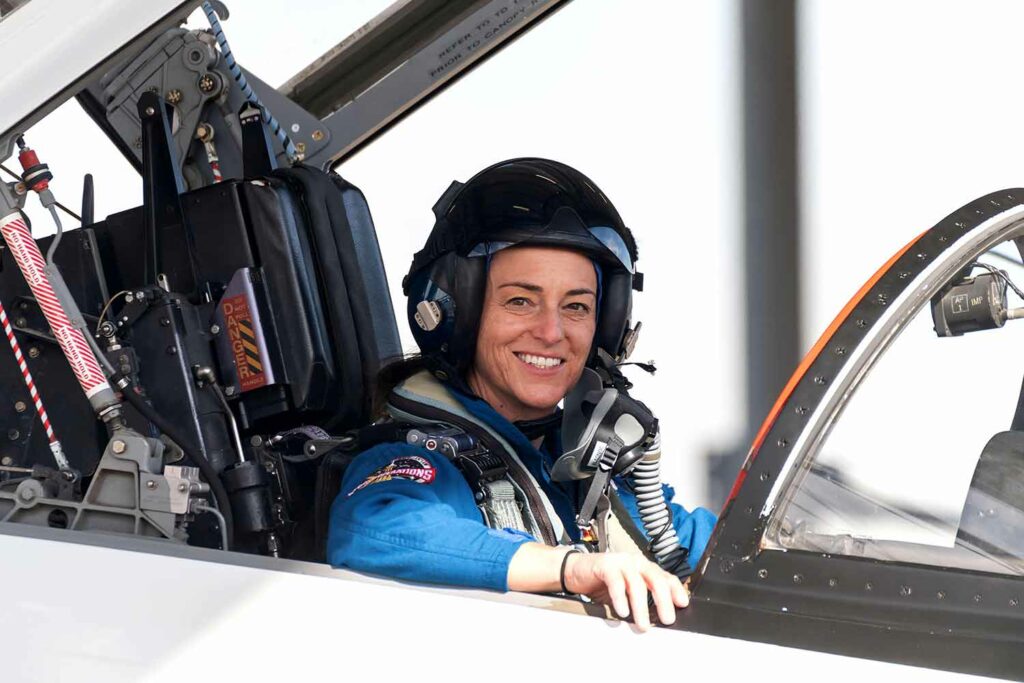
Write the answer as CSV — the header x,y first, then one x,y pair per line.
x,y
604,242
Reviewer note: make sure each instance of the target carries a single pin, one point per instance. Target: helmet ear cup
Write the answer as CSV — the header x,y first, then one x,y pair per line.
x,y
454,285
470,284
616,305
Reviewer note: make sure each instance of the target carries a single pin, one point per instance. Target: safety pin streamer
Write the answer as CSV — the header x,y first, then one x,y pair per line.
x,y
26,374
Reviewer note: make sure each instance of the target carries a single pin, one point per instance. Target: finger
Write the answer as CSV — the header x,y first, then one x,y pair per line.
x,y
636,587
616,587
680,592
660,585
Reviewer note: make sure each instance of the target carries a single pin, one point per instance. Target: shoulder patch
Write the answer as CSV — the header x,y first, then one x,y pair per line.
x,y
409,467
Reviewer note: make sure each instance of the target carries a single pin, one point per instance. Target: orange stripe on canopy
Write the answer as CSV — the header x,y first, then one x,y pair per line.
x,y
811,356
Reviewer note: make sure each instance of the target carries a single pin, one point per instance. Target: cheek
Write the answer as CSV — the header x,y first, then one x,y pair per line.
x,y
497,331
581,336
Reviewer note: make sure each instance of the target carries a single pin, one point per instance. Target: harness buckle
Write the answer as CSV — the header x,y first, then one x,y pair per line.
x,y
478,465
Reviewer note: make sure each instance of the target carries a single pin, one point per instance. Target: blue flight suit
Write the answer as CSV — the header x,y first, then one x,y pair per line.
x,y
408,513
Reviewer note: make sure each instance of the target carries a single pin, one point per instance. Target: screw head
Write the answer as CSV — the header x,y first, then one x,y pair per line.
x,y
906,591
118,447
33,352
230,391
214,329
20,406
317,135
207,84
150,484
150,111
7,461
20,322
762,573
182,487
13,434
300,147
174,96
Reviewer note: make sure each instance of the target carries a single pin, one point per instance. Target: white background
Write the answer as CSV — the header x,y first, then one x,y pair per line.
x,y
909,109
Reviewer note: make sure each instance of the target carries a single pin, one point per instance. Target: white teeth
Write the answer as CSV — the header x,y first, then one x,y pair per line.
x,y
539,361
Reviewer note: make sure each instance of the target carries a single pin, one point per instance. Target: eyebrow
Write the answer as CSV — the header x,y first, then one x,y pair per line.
x,y
530,287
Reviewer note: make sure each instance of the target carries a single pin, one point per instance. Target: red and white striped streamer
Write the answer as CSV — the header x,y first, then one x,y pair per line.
x,y
72,342
58,452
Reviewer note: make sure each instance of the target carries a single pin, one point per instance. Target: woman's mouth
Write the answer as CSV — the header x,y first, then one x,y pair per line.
x,y
540,362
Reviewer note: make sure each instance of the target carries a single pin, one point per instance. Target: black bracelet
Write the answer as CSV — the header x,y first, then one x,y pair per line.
x,y
561,571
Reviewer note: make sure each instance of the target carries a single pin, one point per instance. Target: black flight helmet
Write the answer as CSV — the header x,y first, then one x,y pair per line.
x,y
517,202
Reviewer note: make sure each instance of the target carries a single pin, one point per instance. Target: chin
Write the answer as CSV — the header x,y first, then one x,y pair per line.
x,y
545,401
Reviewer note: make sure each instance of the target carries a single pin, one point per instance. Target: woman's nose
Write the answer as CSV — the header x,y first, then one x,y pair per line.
x,y
549,326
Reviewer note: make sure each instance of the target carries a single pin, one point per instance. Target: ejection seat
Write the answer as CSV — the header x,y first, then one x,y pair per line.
x,y
275,281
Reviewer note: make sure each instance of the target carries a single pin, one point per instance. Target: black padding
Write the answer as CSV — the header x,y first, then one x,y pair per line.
x,y
354,290
993,514
616,305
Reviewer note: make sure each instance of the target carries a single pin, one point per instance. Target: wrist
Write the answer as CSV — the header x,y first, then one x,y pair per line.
x,y
565,570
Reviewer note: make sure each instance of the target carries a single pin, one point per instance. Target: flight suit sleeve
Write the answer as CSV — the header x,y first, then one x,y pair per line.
x,y
693,528
408,513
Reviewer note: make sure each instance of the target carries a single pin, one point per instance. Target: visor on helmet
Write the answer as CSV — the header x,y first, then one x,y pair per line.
x,y
606,239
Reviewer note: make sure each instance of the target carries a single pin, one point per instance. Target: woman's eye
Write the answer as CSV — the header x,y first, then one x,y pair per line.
x,y
518,302
578,307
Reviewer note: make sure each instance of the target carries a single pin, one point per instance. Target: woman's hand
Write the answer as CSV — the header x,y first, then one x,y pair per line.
x,y
620,580
623,581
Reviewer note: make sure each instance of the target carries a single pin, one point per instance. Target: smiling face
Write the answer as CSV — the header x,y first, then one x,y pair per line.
x,y
536,328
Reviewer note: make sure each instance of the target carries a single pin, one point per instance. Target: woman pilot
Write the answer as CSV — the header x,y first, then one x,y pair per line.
x,y
525,281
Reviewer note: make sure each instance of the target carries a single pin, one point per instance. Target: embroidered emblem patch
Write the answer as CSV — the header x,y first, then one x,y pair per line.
x,y
411,468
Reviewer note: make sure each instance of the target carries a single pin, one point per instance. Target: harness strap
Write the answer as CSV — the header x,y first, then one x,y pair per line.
x,y
500,507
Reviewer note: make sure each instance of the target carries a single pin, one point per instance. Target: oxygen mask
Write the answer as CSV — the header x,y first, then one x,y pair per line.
x,y
604,430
